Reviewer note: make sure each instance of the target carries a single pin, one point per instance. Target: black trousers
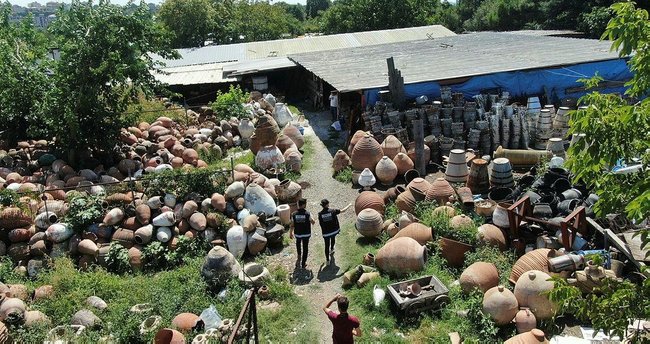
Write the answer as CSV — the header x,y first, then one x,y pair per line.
x,y
302,247
329,245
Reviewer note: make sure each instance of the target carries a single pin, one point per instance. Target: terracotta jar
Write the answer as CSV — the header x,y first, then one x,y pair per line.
x,y
245,128
369,223
535,336
288,191
401,256
525,320
439,191
294,134
218,202
12,310
257,200
113,217
461,221
256,242
391,194
268,157
341,161
12,217
143,213
411,153
386,171
478,179
530,291
405,201
481,276
534,260
416,231
284,142
492,235
406,219
135,257
500,304
419,188
369,200
366,154
185,321
403,163
266,130
454,251
392,146
358,135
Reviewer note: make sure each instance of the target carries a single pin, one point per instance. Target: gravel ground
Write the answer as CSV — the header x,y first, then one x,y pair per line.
x,y
319,282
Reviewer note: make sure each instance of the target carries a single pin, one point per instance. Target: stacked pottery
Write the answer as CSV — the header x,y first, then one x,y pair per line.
x,y
386,170
501,173
556,146
456,171
439,191
403,163
358,135
369,200
369,223
366,154
544,129
284,142
391,146
478,179
341,161
500,304
401,256
561,122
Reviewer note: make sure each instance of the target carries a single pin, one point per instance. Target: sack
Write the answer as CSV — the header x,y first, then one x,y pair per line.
x,y
210,318
337,126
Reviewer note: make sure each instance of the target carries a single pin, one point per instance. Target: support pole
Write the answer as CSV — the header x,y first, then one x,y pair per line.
x,y
418,137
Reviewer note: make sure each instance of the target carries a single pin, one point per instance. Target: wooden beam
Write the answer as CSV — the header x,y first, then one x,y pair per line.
x,y
418,137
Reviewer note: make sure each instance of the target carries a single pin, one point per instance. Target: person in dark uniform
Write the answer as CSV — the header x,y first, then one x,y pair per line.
x,y
301,222
329,224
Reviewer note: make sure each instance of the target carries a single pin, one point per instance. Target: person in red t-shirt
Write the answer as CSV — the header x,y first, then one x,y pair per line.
x,y
344,325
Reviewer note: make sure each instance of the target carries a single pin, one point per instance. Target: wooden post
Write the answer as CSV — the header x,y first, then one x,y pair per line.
x,y
396,85
418,137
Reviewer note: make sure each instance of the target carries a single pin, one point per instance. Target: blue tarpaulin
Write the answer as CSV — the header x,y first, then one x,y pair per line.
x,y
525,83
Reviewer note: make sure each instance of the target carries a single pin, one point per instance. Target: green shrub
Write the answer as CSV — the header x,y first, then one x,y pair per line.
x,y
231,103
84,211
117,259
344,176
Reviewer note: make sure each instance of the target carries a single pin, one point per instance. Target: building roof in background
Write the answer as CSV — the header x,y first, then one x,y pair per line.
x,y
209,73
283,47
449,58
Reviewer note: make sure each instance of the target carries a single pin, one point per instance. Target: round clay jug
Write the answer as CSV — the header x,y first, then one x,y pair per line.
x,y
257,200
535,336
491,235
266,130
358,135
268,157
439,191
419,188
534,260
369,199
401,256
460,221
294,134
403,163
530,291
366,154
369,223
525,320
391,146
386,171
481,276
284,142
500,304
416,231
236,240
341,161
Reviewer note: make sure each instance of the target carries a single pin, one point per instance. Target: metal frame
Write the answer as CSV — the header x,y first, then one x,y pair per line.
x,y
251,306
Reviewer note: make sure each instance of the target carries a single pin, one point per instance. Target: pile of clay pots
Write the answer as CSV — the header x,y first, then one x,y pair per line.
x,y
373,161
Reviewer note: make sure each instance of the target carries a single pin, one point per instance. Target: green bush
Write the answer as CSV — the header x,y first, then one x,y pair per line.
x,y
231,103
344,176
84,211
117,259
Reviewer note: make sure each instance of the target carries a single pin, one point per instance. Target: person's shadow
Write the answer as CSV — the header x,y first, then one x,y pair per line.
x,y
301,276
328,272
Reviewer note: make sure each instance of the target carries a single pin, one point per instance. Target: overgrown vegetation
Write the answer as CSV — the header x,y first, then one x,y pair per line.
x,y
84,210
344,176
231,103
168,293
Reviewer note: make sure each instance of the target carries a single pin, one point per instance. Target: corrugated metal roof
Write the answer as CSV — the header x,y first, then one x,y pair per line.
x,y
210,73
255,66
449,58
284,47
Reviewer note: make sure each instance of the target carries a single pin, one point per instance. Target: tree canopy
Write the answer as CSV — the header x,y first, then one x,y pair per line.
x,y
189,33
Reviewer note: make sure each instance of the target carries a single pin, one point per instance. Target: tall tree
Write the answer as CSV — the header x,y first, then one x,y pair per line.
x,y
364,15
104,66
261,21
298,11
191,22
315,6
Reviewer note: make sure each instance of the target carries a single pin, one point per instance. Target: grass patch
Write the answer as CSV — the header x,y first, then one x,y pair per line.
x,y
344,175
168,292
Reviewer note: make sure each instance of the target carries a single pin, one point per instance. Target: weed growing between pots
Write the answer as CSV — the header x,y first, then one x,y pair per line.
x,y
168,293
344,176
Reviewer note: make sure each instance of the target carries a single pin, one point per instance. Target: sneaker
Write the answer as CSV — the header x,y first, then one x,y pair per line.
x,y
332,253
304,266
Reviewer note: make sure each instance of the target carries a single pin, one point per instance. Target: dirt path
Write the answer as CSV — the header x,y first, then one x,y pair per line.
x,y
319,282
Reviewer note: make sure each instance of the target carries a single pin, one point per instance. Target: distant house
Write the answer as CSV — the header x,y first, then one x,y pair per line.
x,y
35,5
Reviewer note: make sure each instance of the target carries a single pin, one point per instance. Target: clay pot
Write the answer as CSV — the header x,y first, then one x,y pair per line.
x,y
96,302
341,161
457,170
369,223
135,258
439,191
419,188
12,217
454,251
236,240
143,235
401,256
185,322
124,237
163,234
250,223
386,171
366,277
500,216
143,214
190,156
165,219
530,291
392,229
417,231
245,128
263,292
294,134
411,153
403,163
500,304
358,135
188,209
288,191
406,219
35,318
43,292
405,201
21,234
284,142
485,208
256,243
12,310
257,200
391,146
58,232
168,336
235,190
284,212
366,154
44,220
293,161
219,266
198,221
533,260
269,157
369,200
391,194
88,247
369,259
113,217
366,178
492,235
535,336
478,179
218,202
525,320
481,276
